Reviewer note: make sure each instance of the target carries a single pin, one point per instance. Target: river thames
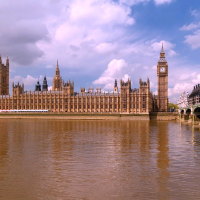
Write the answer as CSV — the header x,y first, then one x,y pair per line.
x,y
86,160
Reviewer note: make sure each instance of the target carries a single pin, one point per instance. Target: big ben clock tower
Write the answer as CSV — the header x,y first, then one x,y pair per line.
x,y
162,73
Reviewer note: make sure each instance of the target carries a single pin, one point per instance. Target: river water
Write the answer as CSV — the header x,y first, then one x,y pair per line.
x,y
100,160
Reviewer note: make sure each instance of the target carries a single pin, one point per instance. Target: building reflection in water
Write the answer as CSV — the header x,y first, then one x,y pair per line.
x,y
85,159
163,159
4,147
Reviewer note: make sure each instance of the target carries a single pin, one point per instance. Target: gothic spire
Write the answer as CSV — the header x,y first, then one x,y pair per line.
x,y
7,61
162,55
115,85
162,49
57,69
57,81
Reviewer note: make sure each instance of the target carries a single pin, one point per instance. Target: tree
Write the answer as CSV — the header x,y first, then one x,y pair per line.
x,y
172,107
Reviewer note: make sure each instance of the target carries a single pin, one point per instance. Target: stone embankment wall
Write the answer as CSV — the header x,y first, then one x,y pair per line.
x,y
190,120
74,116
164,116
81,116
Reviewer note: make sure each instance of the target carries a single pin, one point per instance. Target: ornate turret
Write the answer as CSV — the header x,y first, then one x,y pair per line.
x,y
68,88
115,86
162,55
125,84
7,62
38,86
144,83
57,80
17,89
125,89
45,85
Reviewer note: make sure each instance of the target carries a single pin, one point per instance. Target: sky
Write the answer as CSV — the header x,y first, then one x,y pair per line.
x,y
97,41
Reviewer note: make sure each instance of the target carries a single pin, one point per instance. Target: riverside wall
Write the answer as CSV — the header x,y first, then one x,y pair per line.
x,y
99,116
190,120
164,116
74,116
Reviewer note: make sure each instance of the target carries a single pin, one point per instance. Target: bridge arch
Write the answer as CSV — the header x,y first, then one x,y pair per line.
x,y
187,114
188,111
182,112
197,112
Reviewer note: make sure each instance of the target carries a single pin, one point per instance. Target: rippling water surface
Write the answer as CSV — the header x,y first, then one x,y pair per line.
x,y
100,160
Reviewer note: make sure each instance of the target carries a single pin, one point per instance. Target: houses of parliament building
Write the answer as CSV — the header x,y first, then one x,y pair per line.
x,y
63,98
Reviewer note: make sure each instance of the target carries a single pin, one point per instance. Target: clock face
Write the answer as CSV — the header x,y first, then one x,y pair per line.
x,y
162,69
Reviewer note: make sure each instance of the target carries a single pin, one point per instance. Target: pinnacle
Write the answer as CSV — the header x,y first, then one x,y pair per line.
x,y
162,49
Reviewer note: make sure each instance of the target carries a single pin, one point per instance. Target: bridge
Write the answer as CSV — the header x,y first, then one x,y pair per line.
x,y
191,113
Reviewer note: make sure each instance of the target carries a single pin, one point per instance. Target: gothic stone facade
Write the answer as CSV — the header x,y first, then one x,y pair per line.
x,y
63,98
127,101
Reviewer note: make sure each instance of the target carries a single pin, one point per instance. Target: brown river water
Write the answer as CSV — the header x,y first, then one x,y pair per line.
x,y
98,160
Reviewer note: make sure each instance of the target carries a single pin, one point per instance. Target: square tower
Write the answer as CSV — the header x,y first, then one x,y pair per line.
x,y
4,77
162,74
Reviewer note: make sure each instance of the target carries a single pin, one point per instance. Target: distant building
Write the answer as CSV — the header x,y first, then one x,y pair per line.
x,y
194,97
63,98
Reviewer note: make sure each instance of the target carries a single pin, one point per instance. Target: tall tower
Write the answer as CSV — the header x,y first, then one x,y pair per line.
x,y
4,77
38,86
17,89
115,86
45,84
68,88
57,80
162,73
125,89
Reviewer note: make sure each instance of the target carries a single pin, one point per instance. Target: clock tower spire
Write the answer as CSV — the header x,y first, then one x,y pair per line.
x,y
162,74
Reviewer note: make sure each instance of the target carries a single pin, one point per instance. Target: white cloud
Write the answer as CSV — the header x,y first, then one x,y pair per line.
x,y
84,30
134,2
194,39
160,2
21,28
126,77
180,88
134,55
105,47
168,46
29,81
183,82
97,12
190,27
50,88
82,34
116,69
